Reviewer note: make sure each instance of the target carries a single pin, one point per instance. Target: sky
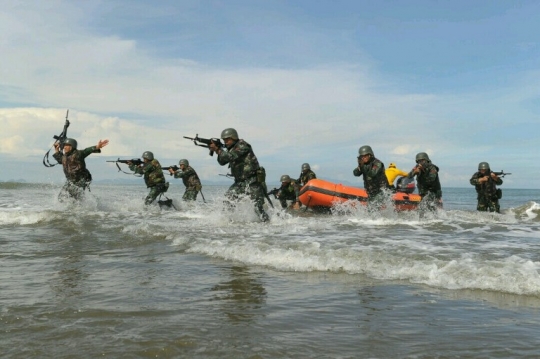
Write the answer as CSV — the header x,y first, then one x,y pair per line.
x,y
301,81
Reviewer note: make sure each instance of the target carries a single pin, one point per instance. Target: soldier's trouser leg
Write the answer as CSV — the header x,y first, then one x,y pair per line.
x,y
232,195
283,203
155,191
497,206
257,195
430,202
190,195
70,190
376,202
487,205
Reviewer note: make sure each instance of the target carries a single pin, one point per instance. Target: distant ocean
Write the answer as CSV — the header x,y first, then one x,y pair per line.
x,y
111,278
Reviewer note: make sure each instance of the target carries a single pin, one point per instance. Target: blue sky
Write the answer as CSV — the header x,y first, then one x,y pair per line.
x,y
302,81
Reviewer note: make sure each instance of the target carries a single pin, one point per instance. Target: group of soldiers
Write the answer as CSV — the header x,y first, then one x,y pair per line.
x,y
249,176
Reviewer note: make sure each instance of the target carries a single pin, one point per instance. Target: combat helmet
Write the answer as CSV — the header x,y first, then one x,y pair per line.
x,y
483,166
183,161
365,150
229,132
285,178
422,156
71,142
305,167
147,155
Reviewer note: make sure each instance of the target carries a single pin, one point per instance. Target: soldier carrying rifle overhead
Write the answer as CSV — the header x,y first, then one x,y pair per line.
x,y
78,177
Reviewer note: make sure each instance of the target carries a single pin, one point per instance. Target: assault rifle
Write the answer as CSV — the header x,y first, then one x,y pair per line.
x,y
501,174
61,138
274,192
205,142
174,168
135,161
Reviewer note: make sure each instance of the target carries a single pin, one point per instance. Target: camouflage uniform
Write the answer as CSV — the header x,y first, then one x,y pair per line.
x,y
289,192
374,179
191,181
488,200
305,177
77,175
245,169
153,178
429,186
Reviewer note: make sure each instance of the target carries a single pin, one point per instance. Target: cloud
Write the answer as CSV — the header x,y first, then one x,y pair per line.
x,y
116,88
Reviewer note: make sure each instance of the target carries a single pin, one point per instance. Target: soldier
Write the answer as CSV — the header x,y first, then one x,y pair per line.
x,y
288,191
153,176
485,182
374,175
306,175
248,175
392,172
78,177
190,179
427,179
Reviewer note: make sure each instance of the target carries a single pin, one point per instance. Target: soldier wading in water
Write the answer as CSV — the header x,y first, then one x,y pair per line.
x,y
245,169
485,183
190,178
375,180
153,176
78,177
429,186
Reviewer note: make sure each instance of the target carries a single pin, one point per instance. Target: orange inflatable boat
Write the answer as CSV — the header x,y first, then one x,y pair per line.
x,y
320,193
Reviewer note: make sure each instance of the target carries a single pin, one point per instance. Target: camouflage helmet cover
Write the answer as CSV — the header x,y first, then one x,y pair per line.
x,y
183,161
147,155
306,167
285,178
71,142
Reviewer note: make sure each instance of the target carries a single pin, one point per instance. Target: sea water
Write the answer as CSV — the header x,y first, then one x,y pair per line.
x,y
110,277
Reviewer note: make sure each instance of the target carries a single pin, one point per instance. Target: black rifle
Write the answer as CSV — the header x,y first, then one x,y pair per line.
x,y
501,174
274,192
135,161
205,142
174,168
61,139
